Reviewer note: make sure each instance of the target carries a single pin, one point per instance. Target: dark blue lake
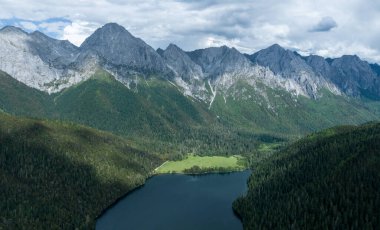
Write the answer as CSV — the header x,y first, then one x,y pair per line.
x,y
179,202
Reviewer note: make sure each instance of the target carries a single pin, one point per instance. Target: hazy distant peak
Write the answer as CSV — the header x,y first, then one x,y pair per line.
x,y
12,29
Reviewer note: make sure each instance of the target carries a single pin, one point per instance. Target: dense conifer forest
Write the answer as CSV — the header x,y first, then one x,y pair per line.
x,y
61,175
328,180
156,116
56,175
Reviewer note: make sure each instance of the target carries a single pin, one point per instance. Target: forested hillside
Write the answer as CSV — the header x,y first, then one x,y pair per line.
x,y
158,118
154,115
211,101
17,98
328,180
279,112
56,175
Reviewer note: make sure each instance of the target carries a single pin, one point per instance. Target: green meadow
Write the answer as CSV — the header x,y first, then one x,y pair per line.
x,y
202,164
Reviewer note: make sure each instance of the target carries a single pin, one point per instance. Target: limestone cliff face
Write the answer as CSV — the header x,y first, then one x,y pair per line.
x,y
52,65
40,61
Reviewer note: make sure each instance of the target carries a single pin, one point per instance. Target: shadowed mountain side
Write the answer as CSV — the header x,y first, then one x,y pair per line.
x,y
62,176
17,98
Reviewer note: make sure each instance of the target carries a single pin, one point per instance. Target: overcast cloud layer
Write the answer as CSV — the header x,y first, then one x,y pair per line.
x,y
328,28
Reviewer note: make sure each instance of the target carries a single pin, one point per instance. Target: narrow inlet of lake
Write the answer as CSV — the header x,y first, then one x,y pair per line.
x,y
179,202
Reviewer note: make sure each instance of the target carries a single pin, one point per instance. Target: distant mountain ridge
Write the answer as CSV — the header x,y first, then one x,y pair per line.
x,y
165,103
292,66
51,65
41,62
124,55
116,82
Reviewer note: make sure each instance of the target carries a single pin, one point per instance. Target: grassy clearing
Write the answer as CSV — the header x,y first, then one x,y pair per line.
x,y
267,148
201,164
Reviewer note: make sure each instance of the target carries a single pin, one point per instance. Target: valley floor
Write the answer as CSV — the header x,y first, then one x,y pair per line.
x,y
203,164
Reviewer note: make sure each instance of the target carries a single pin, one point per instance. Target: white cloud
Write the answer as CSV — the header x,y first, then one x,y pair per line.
x,y
30,26
271,33
220,41
78,31
53,27
247,25
324,25
342,48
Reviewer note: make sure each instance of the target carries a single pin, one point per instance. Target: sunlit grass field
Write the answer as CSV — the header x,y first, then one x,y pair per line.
x,y
213,163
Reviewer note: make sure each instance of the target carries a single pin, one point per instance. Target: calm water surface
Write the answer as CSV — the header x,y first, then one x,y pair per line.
x,y
179,202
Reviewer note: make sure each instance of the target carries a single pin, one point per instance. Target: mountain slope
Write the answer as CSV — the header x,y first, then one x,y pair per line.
x,y
124,55
123,110
216,61
156,115
326,180
375,68
56,175
17,98
290,65
51,65
181,63
39,61
57,53
276,111
175,101
355,77
160,119
187,74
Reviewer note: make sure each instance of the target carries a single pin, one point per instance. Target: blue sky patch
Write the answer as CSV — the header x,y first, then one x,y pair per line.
x,y
52,27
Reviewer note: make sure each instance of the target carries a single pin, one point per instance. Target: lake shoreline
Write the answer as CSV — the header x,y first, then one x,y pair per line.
x,y
202,173
127,193
120,198
152,175
110,217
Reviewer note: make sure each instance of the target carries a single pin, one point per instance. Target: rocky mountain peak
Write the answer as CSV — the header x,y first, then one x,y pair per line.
x,y
42,38
279,60
180,62
110,36
38,60
217,60
113,26
352,62
113,31
319,64
39,34
123,52
12,29
307,72
276,48
355,76
51,65
173,49
57,53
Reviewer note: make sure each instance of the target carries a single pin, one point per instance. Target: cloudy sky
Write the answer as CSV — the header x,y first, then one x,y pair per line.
x,y
329,28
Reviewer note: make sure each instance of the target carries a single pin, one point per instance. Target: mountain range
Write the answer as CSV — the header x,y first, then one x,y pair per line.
x,y
51,65
163,105
115,81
